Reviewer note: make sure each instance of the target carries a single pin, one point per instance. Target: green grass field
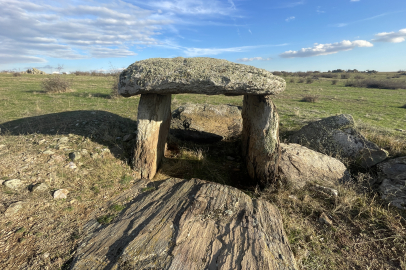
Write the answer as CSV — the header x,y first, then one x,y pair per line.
x,y
367,233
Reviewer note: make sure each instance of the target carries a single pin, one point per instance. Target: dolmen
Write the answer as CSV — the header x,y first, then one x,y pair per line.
x,y
157,79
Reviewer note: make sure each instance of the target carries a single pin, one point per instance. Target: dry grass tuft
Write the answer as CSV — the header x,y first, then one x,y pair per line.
x,y
56,84
16,74
310,98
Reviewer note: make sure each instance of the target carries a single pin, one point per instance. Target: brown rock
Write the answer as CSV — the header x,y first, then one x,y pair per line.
x,y
206,123
260,138
189,224
154,119
300,165
61,194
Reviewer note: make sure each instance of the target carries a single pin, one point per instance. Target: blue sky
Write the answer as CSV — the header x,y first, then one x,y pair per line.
x,y
297,35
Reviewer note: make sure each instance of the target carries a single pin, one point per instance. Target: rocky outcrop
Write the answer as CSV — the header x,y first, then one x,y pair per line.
x,y
299,165
260,138
206,123
200,75
337,136
154,119
186,225
393,176
35,71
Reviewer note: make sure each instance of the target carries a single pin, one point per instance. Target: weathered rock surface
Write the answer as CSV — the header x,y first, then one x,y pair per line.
x,y
300,165
186,225
35,71
337,136
154,119
260,138
206,123
14,208
15,184
200,75
61,194
393,176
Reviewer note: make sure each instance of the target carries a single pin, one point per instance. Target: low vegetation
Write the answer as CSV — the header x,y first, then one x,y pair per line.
x,y
366,233
312,99
56,84
380,84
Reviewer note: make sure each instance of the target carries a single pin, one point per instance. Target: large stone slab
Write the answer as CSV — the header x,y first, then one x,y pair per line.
x,y
189,225
260,138
154,119
337,136
199,75
206,123
393,176
300,165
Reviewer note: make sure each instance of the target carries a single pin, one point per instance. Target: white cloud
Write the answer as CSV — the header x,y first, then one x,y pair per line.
x,y
394,37
253,59
362,20
324,49
288,19
191,52
354,0
318,10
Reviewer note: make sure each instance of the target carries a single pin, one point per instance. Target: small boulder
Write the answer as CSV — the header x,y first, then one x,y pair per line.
x,y
48,152
393,176
13,208
206,123
300,165
15,184
35,71
61,194
40,187
337,136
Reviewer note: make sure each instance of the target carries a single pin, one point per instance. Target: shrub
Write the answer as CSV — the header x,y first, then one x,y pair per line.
x,y
114,88
292,80
371,83
310,98
358,77
16,74
301,80
345,76
309,80
329,75
56,84
404,106
334,82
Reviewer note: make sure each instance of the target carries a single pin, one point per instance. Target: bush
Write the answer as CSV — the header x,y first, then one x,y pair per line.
x,y
345,76
334,82
371,83
292,80
16,74
404,106
358,77
56,84
114,88
311,99
301,80
309,80
329,75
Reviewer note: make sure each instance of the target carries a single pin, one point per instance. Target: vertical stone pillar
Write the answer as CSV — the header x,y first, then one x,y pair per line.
x,y
260,138
154,119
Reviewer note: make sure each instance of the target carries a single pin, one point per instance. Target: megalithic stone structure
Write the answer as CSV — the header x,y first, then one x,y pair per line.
x,y
157,78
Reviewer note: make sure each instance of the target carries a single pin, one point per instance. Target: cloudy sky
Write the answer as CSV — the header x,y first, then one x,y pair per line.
x,y
292,35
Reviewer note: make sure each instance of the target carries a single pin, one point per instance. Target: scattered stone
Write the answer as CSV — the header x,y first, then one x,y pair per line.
x,y
15,184
84,152
293,197
392,173
63,140
2,146
40,187
324,219
13,208
71,165
41,141
327,190
61,194
74,156
94,155
200,75
1,182
337,136
48,152
206,123
300,165
205,225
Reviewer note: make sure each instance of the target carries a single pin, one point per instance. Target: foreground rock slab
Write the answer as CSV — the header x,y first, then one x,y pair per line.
x,y
186,225
300,165
393,176
206,123
200,75
337,136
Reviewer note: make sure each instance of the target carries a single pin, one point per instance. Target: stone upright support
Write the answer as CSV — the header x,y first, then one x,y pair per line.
x,y
154,119
260,138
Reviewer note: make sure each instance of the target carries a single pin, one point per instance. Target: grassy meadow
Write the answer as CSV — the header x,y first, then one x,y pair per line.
x,y
88,119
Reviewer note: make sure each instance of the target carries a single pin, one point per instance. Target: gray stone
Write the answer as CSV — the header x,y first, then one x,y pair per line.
x,y
393,176
61,194
13,209
35,71
337,136
188,224
154,118
300,165
15,184
40,187
200,75
260,138
48,152
206,123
